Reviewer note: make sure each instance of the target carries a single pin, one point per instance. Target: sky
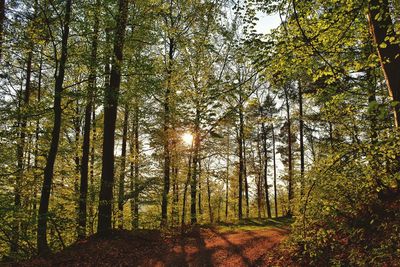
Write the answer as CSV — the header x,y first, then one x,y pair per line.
x,y
267,22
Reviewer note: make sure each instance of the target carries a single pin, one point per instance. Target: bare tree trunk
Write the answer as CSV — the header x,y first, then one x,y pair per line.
x,y
301,129
189,175
110,116
241,162
265,150
121,186
274,160
193,185
2,18
84,169
36,152
210,212
290,167
199,202
135,166
42,245
382,29
227,179
246,184
20,152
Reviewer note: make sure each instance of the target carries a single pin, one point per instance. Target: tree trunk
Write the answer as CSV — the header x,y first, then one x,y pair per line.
x,y
20,152
210,212
301,129
246,184
265,150
121,186
274,159
110,116
84,169
241,163
382,29
2,18
42,245
227,179
290,167
193,185
189,175
36,152
135,168
199,202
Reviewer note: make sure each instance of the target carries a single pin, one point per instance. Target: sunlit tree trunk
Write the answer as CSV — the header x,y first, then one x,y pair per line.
x,y
388,47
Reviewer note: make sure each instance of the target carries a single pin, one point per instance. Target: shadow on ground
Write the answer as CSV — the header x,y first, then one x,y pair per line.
x,y
202,246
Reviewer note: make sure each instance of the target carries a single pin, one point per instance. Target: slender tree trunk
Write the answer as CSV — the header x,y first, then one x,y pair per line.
x,y
175,193
121,186
84,168
274,162
189,175
259,177
193,185
42,245
290,167
246,184
167,127
20,152
36,153
210,212
227,179
110,116
382,29
92,194
2,19
199,202
136,153
301,129
241,162
265,174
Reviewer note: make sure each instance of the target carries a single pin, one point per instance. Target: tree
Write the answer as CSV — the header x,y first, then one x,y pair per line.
x,y
110,116
42,245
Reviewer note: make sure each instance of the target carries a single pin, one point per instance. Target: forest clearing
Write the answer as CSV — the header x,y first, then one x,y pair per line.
x,y
200,132
205,246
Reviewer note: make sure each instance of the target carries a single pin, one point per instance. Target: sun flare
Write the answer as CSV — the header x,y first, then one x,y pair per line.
x,y
187,138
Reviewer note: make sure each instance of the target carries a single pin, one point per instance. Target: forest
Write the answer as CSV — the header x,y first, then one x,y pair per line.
x,y
175,133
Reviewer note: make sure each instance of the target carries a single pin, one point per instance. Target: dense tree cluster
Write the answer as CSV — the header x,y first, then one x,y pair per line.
x,y
162,113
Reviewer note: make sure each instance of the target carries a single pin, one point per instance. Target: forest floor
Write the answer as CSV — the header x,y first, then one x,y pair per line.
x,y
247,244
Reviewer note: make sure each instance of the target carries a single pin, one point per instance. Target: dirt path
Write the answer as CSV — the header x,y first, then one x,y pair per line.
x,y
212,248
201,247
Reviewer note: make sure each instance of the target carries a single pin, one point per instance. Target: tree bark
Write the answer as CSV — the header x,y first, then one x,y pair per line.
x,y
241,163
2,19
265,165
110,116
42,245
301,130
84,168
121,186
386,40
290,167
20,152
227,179
274,162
